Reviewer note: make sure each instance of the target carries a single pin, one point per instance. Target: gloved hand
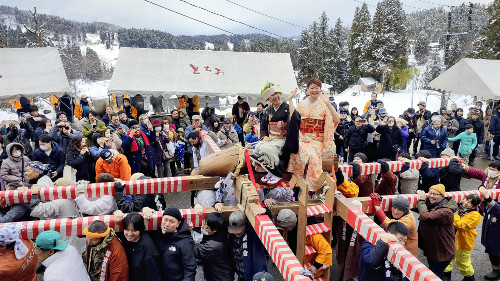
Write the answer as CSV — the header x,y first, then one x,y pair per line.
x,y
81,187
356,170
376,198
395,147
340,176
385,166
119,187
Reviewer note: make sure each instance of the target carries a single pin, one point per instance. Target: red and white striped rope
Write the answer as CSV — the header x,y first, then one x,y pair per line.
x,y
395,166
283,257
412,198
75,226
410,266
94,190
213,147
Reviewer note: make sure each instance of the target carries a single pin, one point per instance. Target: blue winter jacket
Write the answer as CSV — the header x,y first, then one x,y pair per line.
x,y
56,160
372,264
429,134
135,157
494,127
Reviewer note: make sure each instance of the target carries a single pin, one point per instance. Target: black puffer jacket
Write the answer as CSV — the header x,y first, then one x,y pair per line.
x,y
177,250
355,138
451,175
213,251
144,260
478,127
391,140
81,162
342,128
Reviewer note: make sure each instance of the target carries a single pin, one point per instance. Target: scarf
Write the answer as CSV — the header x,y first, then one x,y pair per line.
x,y
432,207
134,146
490,181
10,233
463,211
94,263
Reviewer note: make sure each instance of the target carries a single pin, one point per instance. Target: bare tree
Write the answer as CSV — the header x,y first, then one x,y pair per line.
x,y
37,30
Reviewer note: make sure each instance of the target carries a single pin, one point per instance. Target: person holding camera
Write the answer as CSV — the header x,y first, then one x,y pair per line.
x,y
92,127
52,154
356,137
420,117
434,137
62,133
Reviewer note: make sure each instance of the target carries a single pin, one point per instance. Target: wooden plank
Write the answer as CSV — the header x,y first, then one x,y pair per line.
x,y
302,218
328,218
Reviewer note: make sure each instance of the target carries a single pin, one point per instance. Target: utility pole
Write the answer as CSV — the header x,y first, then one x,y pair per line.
x,y
446,54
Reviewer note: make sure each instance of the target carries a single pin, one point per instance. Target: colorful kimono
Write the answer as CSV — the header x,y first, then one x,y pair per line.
x,y
315,138
268,153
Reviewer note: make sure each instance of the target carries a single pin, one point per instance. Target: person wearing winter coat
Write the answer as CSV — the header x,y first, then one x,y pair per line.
x,y
208,115
400,211
347,188
163,143
243,239
129,109
144,260
436,220
13,168
61,261
62,133
138,151
344,124
240,110
478,129
106,116
227,135
451,125
92,126
434,138
408,116
79,158
213,251
371,103
104,258
420,117
83,107
364,182
451,175
401,123
323,257
387,184
391,139
16,263
373,264
356,138
34,118
468,143
50,153
176,247
408,177
465,222
490,233
428,176
461,127
19,132
66,105
114,163
184,119
44,128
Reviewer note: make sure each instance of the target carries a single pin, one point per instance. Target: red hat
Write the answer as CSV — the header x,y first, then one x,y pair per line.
x,y
156,122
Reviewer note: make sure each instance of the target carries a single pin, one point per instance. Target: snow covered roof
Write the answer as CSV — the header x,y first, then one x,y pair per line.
x,y
368,81
474,77
31,72
203,73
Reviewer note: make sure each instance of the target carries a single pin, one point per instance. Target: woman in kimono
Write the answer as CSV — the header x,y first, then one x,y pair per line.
x,y
273,130
318,122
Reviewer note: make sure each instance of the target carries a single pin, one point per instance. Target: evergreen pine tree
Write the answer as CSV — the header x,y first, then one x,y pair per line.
x,y
422,48
340,77
489,48
359,45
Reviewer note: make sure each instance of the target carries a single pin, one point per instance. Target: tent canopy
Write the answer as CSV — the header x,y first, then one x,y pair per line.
x,y
31,72
202,73
474,77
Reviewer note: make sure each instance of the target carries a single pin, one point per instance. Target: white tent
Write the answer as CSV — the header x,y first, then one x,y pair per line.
x,y
474,77
202,73
31,72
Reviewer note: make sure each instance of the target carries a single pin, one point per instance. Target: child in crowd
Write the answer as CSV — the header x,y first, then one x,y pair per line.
x,y
468,142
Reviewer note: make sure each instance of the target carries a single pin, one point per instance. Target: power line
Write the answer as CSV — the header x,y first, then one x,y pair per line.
x,y
257,12
372,5
436,4
237,21
158,5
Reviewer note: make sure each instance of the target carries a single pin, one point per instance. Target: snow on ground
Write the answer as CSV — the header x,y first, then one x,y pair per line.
x,y
397,102
96,90
108,57
209,46
7,115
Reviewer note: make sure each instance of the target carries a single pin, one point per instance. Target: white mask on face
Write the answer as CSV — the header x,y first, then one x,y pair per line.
x,y
44,147
204,232
391,123
108,135
16,154
145,121
491,173
126,104
157,129
165,127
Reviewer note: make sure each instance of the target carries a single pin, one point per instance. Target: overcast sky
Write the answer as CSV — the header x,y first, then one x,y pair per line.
x,y
140,14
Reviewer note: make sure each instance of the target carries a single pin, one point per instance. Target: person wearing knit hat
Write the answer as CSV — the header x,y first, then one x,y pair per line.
x,y
400,211
273,130
361,158
287,220
436,220
176,247
447,153
408,177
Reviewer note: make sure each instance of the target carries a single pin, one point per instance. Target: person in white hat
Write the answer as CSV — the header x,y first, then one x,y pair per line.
x,y
273,131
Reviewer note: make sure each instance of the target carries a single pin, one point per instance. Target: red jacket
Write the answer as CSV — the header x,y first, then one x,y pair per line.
x,y
387,184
